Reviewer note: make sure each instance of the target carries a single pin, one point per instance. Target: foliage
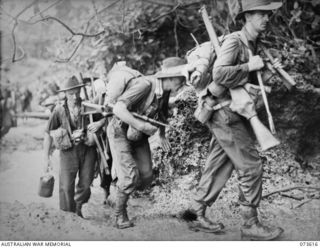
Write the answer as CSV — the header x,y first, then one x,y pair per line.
x,y
143,33
189,140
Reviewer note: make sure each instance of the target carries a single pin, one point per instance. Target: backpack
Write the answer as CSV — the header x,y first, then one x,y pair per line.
x,y
117,80
201,58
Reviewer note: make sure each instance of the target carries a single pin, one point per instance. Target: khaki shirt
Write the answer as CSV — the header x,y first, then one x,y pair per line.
x,y
231,68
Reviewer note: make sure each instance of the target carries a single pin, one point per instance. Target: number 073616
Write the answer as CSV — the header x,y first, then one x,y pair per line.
x,y
309,243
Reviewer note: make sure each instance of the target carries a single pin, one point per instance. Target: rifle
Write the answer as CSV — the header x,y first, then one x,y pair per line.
x,y
263,135
104,156
288,80
36,115
103,110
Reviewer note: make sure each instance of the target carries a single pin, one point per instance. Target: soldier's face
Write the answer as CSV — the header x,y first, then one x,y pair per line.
x,y
177,85
259,20
73,95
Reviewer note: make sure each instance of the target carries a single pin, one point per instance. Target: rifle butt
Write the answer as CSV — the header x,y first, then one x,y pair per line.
x,y
288,80
265,139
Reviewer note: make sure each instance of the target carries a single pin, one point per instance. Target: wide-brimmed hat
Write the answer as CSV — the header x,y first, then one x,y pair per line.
x,y
173,67
53,87
72,83
252,5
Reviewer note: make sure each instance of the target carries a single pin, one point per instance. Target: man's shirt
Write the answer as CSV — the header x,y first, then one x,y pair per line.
x,y
137,94
60,118
231,68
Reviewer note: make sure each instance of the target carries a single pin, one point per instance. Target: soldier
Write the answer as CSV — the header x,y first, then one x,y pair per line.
x,y
99,91
49,95
25,99
67,129
128,136
231,146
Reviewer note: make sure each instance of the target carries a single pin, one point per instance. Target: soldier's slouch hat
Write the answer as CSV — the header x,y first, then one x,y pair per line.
x,y
72,83
173,67
240,7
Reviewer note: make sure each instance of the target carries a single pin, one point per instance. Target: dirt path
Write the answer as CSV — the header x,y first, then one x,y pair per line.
x,y
26,216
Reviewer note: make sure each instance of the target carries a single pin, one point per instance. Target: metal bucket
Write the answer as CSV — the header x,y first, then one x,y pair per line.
x,y
46,186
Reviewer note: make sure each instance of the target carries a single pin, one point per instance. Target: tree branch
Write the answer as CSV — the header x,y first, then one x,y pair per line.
x,y
288,189
165,14
5,12
65,60
97,15
302,203
160,3
23,10
14,59
68,28
46,9
102,10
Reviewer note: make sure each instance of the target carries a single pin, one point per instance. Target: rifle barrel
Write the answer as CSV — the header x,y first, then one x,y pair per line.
x,y
152,121
102,109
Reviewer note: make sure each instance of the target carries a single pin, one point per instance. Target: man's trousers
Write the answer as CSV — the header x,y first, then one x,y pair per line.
x,y
231,147
78,159
132,163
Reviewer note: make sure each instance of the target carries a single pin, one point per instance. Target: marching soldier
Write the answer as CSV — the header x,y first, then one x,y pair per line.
x,y
128,136
232,146
67,129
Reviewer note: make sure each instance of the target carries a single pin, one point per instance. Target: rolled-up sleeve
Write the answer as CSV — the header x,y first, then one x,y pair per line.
x,y
226,71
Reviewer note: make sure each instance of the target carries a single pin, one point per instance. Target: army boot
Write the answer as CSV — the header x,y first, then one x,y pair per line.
x,y
253,229
203,223
122,220
78,210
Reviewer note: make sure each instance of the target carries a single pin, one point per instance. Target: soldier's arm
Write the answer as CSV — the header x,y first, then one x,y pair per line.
x,y
47,145
225,71
53,123
132,96
121,111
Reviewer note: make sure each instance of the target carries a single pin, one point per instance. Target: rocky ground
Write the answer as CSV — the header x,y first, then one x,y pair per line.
x,y
26,216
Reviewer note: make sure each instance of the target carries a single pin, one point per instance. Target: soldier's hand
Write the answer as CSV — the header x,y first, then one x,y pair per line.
x,y
149,129
277,64
165,144
195,77
94,126
255,63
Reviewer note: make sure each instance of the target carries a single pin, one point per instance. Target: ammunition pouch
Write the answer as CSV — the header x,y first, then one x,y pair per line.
x,y
89,139
205,109
208,102
61,139
242,103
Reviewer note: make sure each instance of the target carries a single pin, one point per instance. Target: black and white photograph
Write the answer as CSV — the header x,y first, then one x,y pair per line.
x,y
160,120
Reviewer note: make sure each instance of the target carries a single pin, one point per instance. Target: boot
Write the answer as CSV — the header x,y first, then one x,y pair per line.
x,y
205,223
253,229
78,210
122,220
